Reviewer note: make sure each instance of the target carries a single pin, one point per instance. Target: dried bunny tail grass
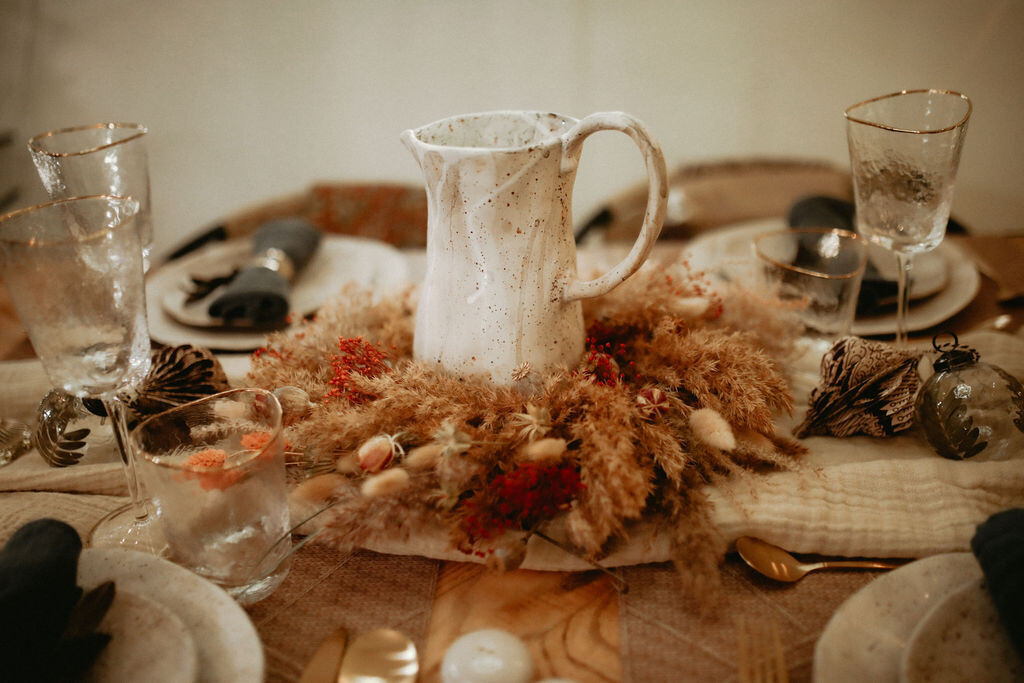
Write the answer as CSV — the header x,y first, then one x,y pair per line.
x,y
355,518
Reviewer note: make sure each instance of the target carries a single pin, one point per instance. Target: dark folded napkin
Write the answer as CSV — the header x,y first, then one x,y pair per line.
x,y
998,544
259,294
47,629
877,293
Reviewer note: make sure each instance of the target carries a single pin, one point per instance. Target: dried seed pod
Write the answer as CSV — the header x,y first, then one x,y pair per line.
x,y
178,375
295,404
651,402
378,452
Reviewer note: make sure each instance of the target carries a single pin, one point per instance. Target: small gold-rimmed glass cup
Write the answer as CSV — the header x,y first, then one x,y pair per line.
x,y
818,272
102,158
904,154
215,471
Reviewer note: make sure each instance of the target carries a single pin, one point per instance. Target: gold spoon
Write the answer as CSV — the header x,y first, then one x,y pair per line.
x,y
776,563
380,656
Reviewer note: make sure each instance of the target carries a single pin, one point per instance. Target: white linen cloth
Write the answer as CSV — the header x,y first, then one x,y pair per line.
x,y
855,497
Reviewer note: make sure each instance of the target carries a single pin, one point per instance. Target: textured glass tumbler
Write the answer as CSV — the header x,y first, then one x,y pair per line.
x,y
904,155
215,471
818,272
105,158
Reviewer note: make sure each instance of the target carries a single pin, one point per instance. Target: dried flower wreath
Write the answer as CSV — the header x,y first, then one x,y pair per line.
x,y
678,388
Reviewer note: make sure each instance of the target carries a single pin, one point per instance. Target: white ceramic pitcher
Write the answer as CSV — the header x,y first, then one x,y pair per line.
x,y
501,294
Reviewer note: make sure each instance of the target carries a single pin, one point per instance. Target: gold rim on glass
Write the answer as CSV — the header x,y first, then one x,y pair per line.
x,y
238,463
805,271
931,91
33,143
99,234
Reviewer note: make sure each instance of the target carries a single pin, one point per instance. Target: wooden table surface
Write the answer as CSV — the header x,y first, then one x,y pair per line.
x,y
572,625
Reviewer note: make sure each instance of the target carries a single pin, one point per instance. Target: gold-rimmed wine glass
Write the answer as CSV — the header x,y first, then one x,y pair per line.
x,y
100,158
74,271
904,154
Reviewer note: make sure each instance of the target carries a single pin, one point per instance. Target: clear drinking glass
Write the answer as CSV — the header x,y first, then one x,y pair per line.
x,y
215,471
104,158
904,153
819,272
74,271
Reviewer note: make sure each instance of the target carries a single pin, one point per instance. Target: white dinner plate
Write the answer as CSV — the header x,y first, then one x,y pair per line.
x,y
945,280
339,261
961,638
866,637
228,649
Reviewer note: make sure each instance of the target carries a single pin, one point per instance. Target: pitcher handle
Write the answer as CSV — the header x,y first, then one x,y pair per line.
x,y
657,195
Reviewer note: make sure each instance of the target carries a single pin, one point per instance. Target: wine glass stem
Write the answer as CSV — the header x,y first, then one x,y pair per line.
x,y
902,295
119,420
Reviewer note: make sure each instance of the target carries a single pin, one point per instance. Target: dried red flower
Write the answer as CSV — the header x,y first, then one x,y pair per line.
x,y
357,356
212,475
519,500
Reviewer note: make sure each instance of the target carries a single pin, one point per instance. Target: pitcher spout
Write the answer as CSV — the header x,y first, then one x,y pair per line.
x,y
412,143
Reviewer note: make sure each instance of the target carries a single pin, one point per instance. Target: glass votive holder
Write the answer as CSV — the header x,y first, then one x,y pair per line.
x,y
215,471
818,271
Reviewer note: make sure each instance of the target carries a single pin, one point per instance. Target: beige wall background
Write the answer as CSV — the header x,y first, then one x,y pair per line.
x,y
252,99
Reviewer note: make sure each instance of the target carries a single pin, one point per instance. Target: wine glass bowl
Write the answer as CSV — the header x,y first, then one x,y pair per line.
x,y
74,271
904,154
103,158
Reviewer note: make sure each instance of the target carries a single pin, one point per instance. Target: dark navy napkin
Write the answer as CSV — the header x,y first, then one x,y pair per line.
x,y
39,593
998,544
259,295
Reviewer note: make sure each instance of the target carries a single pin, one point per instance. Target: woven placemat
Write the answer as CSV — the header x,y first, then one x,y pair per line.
x,y
327,588
665,637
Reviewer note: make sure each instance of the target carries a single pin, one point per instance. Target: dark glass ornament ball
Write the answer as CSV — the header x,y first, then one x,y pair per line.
x,y
971,409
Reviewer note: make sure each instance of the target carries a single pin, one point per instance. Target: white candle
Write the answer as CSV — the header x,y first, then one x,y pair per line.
x,y
487,656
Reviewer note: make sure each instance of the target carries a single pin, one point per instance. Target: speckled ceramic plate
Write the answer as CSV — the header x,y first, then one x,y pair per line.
x,y
148,642
961,638
340,260
866,637
228,647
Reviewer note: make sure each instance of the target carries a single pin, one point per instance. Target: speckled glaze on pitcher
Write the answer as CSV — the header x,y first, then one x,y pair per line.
x,y
501,295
